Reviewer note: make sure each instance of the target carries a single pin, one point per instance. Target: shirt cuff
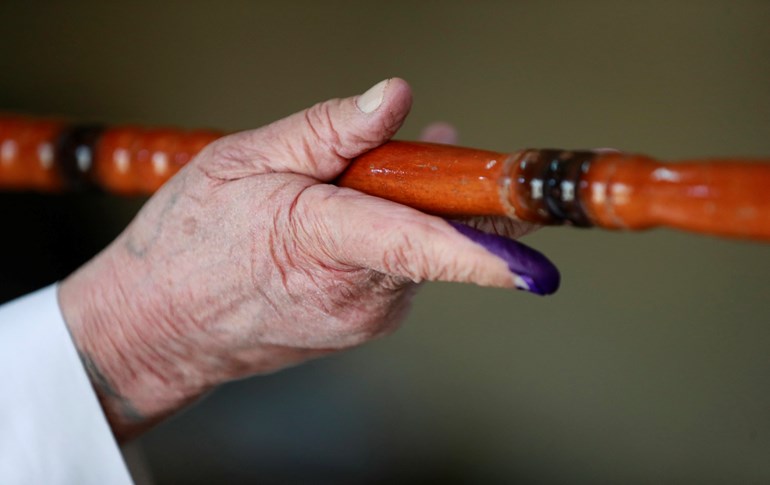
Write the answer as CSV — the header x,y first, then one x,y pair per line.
x,y
52,428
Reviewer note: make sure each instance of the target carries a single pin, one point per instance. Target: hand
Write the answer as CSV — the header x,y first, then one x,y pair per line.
x,y
248,261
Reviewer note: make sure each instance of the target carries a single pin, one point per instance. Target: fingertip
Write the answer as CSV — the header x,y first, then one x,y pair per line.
x,y
606,150
398,96
531,270
396,104
379,113
440,132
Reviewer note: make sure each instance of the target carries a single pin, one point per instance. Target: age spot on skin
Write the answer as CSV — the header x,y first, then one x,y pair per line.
x,y
139,242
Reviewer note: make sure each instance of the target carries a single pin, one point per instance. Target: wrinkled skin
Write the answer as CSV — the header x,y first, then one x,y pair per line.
x,y
248,261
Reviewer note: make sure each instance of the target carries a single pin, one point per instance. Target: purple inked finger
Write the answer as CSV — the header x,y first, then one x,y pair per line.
x,y
532,271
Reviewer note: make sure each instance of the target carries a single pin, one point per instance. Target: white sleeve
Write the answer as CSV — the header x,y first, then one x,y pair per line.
x,y
52,428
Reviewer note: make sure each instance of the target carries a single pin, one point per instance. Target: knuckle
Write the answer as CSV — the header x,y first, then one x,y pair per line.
x,y
326,131
228,149
230,158
321,128
305,227
407,258
347,304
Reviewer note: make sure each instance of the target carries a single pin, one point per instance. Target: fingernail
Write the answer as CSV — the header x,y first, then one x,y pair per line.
x,y
530,269
372,99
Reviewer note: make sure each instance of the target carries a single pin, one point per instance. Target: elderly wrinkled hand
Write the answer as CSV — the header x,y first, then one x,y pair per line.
x,y
248,260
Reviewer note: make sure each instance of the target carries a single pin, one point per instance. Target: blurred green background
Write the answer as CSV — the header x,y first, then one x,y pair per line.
x,y
651,365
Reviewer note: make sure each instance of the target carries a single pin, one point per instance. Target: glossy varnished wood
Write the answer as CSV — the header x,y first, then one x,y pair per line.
x,y
439,179
616,191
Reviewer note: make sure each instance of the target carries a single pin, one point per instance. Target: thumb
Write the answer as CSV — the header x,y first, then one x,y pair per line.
x,y
318,141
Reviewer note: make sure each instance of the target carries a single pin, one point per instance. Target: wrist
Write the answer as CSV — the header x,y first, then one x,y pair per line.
x,y
135,383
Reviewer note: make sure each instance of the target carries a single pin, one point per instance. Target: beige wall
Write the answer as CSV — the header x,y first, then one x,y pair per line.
x,y
652,362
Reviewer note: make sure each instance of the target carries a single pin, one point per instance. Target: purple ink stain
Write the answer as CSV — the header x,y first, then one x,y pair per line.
x,y
540,274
